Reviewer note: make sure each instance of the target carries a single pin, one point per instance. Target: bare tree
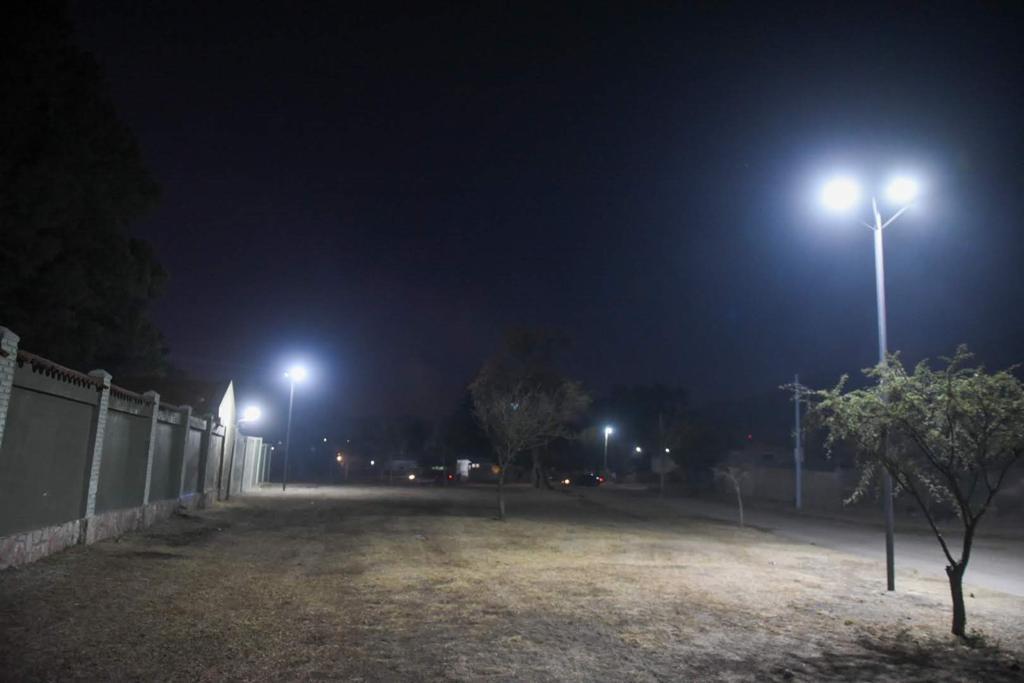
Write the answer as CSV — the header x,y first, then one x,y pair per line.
x,y
735,476
520,411
948,438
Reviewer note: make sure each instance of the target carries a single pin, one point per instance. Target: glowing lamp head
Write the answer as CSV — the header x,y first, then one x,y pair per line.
x,y
840,194
251,414
638,449
297,373
412,477
902,190
339,458
608,431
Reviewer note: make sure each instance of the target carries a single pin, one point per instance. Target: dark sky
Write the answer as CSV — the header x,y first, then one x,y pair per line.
x,y
386,190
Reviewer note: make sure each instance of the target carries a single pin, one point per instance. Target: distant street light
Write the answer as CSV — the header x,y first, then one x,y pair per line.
x,y
295,374
608,431
842,194
638,450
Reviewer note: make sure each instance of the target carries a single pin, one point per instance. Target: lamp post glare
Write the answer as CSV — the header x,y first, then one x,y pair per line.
x,y
294,374
841,194
251,413
297,373
638,450
608,431
902,190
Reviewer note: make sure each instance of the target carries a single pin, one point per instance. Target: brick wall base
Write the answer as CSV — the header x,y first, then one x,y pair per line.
x,y
29,546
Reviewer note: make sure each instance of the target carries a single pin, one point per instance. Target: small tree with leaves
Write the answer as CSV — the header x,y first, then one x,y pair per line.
x,y
519,411
947,437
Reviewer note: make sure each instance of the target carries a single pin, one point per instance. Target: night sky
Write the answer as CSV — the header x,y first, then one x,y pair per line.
x,y
385,190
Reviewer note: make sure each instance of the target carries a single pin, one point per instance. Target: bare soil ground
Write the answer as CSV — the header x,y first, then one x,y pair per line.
x,y
394,584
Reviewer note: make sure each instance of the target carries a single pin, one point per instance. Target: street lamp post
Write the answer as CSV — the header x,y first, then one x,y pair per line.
x,y
608,431
842,194
295,374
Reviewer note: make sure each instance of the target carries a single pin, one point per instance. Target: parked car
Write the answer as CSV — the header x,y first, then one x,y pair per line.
x,y
588,479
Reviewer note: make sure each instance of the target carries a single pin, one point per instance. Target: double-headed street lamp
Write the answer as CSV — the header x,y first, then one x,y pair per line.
x,y
843,194
294,375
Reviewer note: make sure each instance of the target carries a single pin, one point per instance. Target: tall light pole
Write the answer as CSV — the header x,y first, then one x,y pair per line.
x,y
295,374
842,194
608,431
798,446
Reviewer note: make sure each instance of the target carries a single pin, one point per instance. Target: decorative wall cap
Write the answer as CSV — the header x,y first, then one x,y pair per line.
x,y
48,368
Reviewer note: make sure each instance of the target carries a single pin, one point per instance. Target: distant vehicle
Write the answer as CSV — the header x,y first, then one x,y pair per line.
x,y
434,475
588,479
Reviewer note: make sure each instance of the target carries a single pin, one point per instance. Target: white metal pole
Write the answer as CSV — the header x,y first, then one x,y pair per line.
x,y
605,469
883,350
288,434
798,455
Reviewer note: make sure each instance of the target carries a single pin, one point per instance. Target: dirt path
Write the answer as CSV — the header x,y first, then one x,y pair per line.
x,y
997,562
421,584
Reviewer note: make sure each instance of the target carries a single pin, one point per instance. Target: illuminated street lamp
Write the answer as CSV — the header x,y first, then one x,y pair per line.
x,y
251,413
294,375
638,450
608,431
842,194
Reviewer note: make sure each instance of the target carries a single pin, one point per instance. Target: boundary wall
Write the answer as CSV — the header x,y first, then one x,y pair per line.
x,y
82,460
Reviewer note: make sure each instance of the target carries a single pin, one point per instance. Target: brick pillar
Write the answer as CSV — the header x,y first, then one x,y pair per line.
x,y
154,399
99,427
8,361
186,423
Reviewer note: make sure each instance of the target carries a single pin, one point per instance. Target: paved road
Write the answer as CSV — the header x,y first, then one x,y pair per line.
x,y
996,563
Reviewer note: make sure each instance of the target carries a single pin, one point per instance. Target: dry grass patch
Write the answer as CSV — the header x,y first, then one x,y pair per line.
x,y
415,584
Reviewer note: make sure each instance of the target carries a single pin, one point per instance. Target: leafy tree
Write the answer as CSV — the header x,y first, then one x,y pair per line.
x,y
73,284
534,351
948,437
521,410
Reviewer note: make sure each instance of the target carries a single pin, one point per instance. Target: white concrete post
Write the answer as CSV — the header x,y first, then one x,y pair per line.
x,y
99,428
204,454
8,362
186,422
154,399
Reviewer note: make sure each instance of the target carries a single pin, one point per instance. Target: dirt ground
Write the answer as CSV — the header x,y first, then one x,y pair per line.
x,y
395,584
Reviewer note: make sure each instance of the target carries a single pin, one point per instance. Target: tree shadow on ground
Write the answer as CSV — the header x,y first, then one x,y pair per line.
x,y
902,657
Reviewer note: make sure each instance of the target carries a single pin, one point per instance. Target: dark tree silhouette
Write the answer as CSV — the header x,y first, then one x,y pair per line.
x,y
73,283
